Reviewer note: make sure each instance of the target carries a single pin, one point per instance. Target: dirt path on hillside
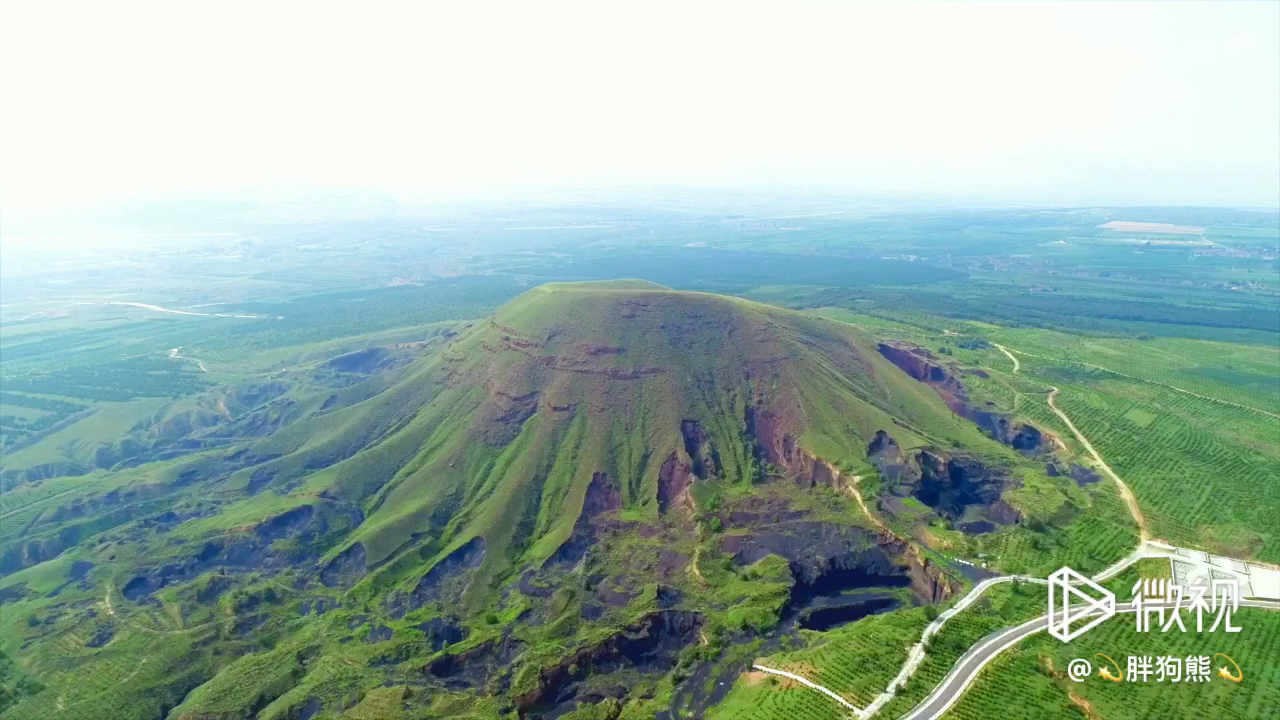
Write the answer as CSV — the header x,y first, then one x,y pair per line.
x,y
1125,492
1016,365
857,495
1174,388
176,354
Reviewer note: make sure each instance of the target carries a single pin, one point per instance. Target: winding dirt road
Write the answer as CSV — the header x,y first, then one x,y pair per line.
x,y
1016,365
1125,492
176,354
1174,388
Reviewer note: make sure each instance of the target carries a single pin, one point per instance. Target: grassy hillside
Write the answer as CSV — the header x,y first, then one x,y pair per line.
x,y
509,424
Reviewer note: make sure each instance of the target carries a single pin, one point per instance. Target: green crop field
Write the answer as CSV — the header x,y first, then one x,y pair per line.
x,y
1200,466
1030,682
856,661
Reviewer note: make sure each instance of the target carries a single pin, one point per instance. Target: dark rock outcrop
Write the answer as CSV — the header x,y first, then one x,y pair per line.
x,y
777,446
446,579
826,558
948,483
239,552
674,479
345,569
924,366
697,445
651,644
475,666
602,497
443,632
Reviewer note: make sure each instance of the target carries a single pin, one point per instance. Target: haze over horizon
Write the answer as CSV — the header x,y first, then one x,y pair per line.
x,y
1053,103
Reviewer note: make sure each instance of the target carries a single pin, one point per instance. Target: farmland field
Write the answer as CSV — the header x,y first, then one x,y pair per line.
x,y
1030,680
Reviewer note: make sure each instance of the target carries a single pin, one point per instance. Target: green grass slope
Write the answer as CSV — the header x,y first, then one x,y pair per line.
x,y
499,435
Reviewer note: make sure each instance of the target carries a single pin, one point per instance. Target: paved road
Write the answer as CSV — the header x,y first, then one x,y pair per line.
x,y
966,670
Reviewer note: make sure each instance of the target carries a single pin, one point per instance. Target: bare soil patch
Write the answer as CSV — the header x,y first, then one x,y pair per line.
x,y
1149,227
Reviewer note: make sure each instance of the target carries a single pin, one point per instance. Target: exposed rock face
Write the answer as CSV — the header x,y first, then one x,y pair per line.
x,y
294,522
446,578
884,448
780,448
827,558
1083,475
677,473
1023,437
476,666
919,364
345,569
697,444
824,557
442,632
602,497
255,550
929,582
1003,513
948,483
674,479
504,414
924,366
651,644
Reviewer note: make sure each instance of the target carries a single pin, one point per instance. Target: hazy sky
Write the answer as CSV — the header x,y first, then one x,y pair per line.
x,y
1090,102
